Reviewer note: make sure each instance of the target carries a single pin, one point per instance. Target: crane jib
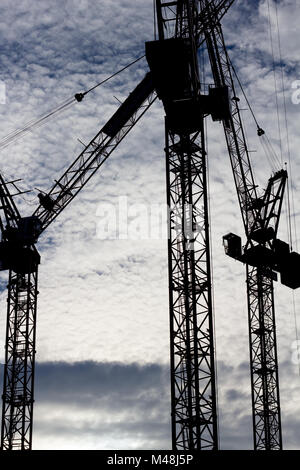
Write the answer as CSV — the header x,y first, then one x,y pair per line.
x,y
129,107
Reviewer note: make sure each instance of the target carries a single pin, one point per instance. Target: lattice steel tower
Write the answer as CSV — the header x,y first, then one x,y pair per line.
x,y
174,65
173,61
182,26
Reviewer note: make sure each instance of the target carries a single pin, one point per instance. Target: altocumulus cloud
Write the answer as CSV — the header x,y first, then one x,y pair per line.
x,y
111,405
90,405
96,301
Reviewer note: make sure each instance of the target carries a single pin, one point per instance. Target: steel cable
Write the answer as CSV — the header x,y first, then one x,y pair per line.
x,y
43,119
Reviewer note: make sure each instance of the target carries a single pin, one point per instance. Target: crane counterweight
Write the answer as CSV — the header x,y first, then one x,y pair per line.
x,y
170,62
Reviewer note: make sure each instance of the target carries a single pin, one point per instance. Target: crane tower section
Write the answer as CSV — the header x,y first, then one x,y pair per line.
x,y
263,254
19,255
173,63
261,312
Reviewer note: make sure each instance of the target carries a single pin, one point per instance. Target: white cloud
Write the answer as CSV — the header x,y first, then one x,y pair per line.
x,y
108,300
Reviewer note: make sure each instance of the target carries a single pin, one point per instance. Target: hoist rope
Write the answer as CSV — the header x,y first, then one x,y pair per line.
x,y
289,225
287,200
267,152
244,93
275,80
272,48
270,150
290,189
33,124
43,119
266,144
296,333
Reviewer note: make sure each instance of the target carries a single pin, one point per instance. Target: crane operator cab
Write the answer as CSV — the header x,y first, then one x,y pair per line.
x,y
171,63
17,251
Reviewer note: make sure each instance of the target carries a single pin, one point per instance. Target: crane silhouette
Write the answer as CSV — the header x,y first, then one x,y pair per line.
x,y
183,26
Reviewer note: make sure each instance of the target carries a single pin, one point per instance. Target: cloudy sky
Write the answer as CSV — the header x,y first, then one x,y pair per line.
x,y
102,378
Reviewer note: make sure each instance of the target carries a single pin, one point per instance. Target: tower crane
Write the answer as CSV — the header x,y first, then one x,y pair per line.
x,y
194,409
18,253
263,255
183,25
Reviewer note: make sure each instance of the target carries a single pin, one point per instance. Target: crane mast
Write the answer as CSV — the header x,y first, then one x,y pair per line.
x,y
173,62
18,387
260,293
193,384
22,259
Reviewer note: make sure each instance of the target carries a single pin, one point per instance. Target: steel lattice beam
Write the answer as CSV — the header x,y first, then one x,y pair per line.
x,y
193,389
233,128
18,387
263,361
95,154
262,336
